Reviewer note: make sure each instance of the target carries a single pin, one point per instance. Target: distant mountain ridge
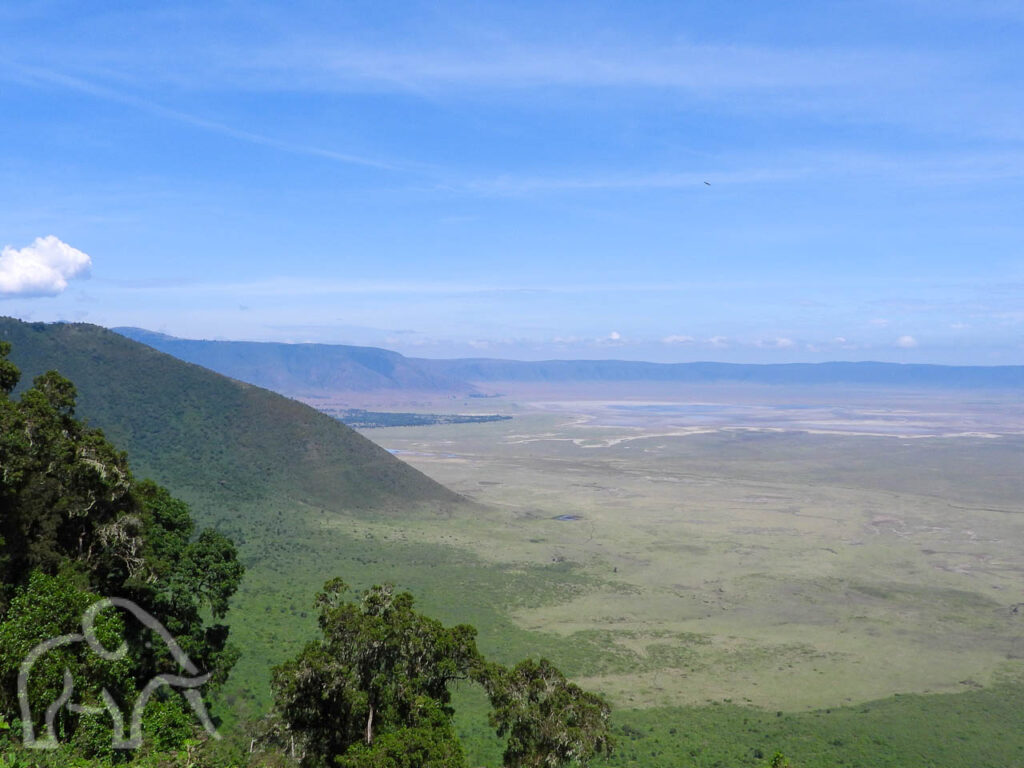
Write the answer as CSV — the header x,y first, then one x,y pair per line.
x,y
866,373
303,368
311,368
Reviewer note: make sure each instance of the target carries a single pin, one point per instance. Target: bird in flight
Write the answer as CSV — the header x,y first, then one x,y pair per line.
x,y
708,183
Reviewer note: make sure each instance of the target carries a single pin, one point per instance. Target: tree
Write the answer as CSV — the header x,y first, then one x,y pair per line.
x,y
376,684
549,721
50,606
430,742
374,692
70,508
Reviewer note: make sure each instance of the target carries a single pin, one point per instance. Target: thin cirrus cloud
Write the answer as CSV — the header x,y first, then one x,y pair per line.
x,y
40,75
873,83
521,63
42,268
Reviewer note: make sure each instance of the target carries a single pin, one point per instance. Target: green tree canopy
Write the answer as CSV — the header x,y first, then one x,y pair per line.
x,y
374,691
378,678
549,721
70,508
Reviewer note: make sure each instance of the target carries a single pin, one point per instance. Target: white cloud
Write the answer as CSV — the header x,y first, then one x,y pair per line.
x,y
42,268
678,340
718,341
906,342
844,343
779,343
613,339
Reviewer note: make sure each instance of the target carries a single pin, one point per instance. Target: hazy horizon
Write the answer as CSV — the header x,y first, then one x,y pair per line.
x,y
415,353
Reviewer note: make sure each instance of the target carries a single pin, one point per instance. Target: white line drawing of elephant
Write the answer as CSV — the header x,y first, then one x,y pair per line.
x,y
188,685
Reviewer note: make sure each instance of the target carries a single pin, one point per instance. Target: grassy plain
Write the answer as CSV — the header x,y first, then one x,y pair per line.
x,y
786,569
724,556
737,576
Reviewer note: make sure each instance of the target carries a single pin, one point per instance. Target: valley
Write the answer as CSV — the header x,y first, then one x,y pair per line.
x,y
790,556
833,571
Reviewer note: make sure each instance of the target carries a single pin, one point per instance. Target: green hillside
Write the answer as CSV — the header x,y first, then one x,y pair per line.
x,y
212,437
272,473
302,495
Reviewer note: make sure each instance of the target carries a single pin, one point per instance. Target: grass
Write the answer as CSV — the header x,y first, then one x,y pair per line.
x,y
965,730
974,729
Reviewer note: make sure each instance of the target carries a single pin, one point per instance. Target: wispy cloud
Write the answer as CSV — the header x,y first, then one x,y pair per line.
x,y
865,82
694,67
38,75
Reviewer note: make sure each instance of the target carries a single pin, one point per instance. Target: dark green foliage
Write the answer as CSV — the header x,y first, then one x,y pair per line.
x,y
209,566
75,527
549,721
215,439
50,606
64,490
381,668
9,373
429,743
375,691
168,723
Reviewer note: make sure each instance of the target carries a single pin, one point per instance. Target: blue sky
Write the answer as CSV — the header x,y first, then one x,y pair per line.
x,y
523,179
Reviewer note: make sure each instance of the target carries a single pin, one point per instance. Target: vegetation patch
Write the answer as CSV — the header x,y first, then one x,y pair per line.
x,y
360,419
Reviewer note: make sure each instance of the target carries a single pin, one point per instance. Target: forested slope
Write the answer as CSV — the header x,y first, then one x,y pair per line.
x,y
201,431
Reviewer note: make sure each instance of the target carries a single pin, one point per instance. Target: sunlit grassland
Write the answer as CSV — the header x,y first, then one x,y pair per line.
x,y
705,582
725,578
272,617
